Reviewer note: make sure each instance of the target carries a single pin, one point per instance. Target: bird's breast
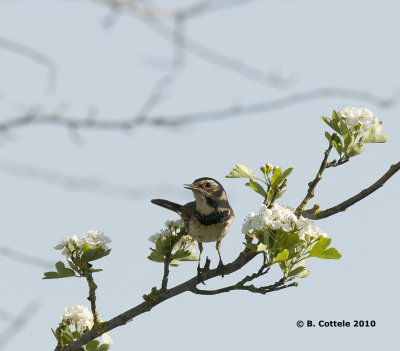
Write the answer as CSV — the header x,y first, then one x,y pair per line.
x,y
209,233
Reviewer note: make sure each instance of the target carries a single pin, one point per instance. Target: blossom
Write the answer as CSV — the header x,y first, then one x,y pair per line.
x,y
280,217
174,228
94,239
82,318
355,116
69,244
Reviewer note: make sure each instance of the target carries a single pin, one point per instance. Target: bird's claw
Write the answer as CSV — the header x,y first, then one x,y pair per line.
x,y
199,275
221,268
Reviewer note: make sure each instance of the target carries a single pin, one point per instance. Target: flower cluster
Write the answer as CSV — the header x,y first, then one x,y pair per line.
x,y
281,217
358,116
174,228
82,319
94,239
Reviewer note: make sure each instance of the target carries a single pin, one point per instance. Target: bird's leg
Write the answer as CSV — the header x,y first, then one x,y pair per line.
x,y
198,265
220,268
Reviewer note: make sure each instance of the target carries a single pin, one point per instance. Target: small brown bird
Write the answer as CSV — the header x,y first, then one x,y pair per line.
x,y
208,218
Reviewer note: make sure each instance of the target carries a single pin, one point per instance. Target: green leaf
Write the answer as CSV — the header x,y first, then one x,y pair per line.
x,y
155,256
67,336
331,124
303,274
94,254
291,241
296,271
190,258
355,150
337,144
373,135
103,347
92,345
251,246
257,188
241,171
282,256
328,136
62,272
271,193
320,250
321,244
329,254
275,175
282,177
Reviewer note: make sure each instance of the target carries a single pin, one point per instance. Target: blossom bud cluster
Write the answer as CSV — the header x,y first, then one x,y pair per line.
x,y
174,228
94,239
82,319
281,217
358,116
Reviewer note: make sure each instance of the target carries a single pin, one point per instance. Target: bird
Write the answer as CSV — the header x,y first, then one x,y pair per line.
x,y
208,218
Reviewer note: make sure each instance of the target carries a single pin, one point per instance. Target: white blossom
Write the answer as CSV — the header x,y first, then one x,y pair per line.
x,y
173,228
82,318
355,116
94,239
280,217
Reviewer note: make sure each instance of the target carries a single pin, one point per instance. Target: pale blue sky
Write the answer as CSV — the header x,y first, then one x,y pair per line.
x,y
314,44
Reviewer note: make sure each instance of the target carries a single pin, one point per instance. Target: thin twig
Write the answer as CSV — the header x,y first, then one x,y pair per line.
x,y
316,214
196,117
167,262
312,185
34,56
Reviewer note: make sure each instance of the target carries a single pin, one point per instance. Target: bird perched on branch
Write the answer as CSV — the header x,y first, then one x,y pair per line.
x,y
208,218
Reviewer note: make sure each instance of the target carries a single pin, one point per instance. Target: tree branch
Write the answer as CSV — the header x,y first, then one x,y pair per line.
x,y
312,185
156,297
315,213
192,118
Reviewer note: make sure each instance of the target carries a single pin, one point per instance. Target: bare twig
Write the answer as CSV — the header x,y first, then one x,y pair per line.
x,y
166,80
17,324
221,60
49,176
196,117
24,258
316,214
241,284
312,185
34,56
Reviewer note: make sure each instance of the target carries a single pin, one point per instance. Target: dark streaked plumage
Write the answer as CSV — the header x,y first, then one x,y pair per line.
x,y
209,217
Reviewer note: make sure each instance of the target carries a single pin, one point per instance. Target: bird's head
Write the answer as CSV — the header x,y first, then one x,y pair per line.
x,y
209,194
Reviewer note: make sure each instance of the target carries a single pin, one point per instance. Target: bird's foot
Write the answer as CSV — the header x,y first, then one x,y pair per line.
x,y
221,268
199,275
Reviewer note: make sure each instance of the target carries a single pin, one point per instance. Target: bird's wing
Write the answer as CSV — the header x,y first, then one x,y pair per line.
x,y
169,205
188,211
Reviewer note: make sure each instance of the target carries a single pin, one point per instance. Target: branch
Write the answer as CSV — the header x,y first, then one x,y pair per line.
x,y
156,297
33,55
279,285
315,213
195,117
70,182
312,185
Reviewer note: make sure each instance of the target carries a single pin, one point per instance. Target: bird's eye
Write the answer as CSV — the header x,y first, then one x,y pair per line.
x,y
208,185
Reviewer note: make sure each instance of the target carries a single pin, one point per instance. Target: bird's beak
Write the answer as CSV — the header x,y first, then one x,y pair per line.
x,y
191,187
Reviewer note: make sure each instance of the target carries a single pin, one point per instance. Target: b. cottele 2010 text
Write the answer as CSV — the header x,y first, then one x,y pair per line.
x,y
343,323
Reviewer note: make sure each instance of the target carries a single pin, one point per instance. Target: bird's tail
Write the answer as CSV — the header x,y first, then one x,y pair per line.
x,y
168,204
